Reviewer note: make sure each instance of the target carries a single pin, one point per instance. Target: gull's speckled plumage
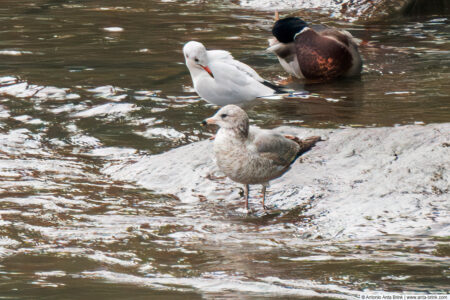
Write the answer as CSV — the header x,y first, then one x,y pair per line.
x,y
250,155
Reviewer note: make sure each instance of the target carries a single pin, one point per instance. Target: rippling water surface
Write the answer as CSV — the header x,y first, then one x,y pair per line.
x,y
85,84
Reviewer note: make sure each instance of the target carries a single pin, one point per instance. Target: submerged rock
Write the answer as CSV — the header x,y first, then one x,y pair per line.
x,y
358,183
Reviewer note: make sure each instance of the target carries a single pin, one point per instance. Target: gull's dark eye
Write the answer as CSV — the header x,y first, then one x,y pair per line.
x,y
196,59
223,116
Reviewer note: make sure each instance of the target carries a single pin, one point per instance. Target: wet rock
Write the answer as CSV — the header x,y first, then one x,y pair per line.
x,y
426,7
358,183
366,10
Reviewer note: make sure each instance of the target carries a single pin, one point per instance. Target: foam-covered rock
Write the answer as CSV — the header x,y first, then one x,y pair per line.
x,y
358,183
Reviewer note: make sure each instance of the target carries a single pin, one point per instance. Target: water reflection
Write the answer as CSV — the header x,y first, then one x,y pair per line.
x,y
85,86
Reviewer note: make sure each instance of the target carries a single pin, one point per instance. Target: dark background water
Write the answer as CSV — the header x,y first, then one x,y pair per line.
x,y
76,95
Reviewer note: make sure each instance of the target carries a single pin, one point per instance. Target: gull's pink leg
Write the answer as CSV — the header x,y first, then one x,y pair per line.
x,y
263,192
246,192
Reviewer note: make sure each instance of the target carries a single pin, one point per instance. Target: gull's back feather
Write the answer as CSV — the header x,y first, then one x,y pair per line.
x,y
275,147
226,57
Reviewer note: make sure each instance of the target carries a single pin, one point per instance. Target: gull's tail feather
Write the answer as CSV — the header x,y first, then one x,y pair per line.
x,y
305,145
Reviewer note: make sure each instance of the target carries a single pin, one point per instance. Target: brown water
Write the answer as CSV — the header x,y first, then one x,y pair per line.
x,y
77,96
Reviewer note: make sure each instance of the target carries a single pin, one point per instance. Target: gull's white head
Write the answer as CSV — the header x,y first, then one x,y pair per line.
x,y
196,57
231,117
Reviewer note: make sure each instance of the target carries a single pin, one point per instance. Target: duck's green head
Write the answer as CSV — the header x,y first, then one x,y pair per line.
x,y
286,29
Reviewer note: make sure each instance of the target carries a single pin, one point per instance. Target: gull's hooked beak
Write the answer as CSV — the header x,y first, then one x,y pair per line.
x,y
208,122
207,69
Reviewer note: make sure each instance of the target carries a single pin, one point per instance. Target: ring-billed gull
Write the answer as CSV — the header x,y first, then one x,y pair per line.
x,y
314,51
220,79
250,155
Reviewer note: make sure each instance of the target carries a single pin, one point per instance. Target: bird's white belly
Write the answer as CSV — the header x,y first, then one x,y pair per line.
x,y
222,94
291,67
356,62
222,91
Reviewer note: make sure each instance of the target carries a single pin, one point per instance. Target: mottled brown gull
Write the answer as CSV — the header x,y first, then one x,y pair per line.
x,y
250,155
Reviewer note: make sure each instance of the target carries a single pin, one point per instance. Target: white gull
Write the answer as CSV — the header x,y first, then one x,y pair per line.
x,y
220,79
250,155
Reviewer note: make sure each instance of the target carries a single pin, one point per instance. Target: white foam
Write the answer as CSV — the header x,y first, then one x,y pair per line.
x,y
113,29
14,52
117,109
215,283
156,132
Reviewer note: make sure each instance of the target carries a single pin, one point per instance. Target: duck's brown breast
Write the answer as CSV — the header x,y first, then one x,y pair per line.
x,y
321,57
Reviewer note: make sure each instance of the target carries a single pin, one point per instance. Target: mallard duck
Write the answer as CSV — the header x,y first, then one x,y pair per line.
x,y
314,51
